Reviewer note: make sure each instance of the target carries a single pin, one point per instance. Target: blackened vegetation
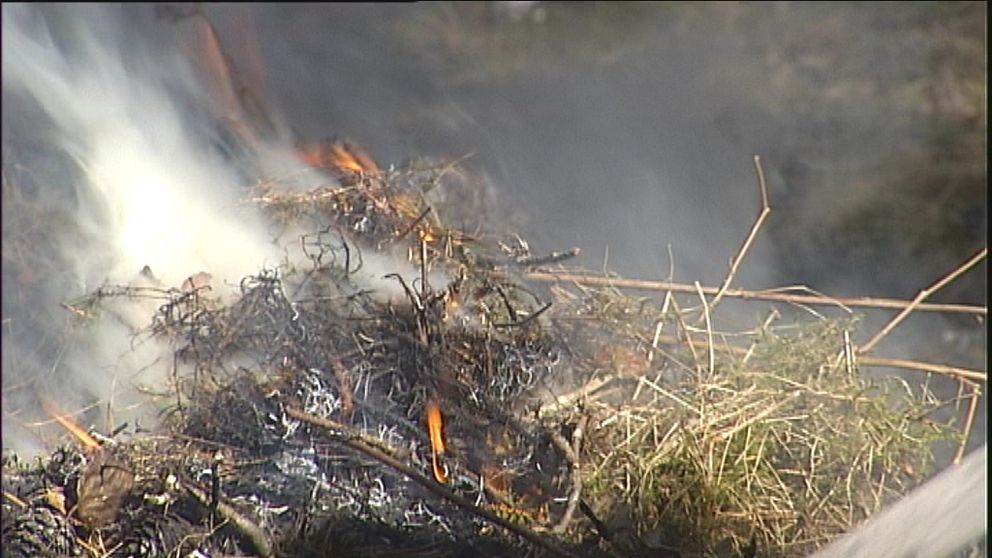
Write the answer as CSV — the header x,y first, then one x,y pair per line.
x,y
236,474
575,421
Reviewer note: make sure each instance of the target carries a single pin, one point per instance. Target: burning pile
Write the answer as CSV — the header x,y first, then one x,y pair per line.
x,y
470,413
400,385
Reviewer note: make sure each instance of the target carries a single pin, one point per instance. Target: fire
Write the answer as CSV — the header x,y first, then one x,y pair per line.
x,y
84,438
341,155
345,159
434,425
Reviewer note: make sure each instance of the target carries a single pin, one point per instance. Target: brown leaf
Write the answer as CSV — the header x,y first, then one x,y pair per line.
x,y
102,489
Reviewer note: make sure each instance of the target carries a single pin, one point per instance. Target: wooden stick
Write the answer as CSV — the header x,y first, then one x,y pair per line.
x,y
968,422
15,500
768,295
709,330
255,534
765,212
573,454
961,269
941,369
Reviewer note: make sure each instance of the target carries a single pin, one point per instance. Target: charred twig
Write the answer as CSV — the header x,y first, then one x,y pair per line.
x,y
526,320
257,537
574,457
313,197
597,523
563,446
414,298
552,258
506,302
424,286
917,302
357,443
768,295
413,224
449,167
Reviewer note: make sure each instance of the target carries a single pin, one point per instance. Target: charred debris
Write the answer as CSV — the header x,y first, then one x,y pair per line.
x,y
473,411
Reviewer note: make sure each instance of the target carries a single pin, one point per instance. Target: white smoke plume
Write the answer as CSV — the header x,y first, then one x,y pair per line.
x,y
153,184
167,198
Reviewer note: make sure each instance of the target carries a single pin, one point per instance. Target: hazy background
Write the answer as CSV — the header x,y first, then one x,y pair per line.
x,y
619,128
626,129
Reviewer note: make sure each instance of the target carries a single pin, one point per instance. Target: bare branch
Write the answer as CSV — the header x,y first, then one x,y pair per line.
x,y
968,422
920,298
765,212
769,295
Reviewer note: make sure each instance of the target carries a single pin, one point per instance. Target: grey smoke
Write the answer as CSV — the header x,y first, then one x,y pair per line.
x,y
632,137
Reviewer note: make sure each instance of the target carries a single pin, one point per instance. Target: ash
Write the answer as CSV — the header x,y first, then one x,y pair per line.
x,y
234,468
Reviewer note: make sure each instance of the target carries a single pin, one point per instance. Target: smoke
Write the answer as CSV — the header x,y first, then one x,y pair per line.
x,y
149,184
127,170
162,195
627,131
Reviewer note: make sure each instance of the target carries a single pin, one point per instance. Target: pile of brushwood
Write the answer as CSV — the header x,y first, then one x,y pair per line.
x,y
452,405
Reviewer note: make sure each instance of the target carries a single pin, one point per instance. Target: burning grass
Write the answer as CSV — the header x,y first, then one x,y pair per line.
x,y
482,410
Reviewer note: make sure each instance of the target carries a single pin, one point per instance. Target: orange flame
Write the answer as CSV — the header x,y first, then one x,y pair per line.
x,y
52,409
342,155
427,237
434,425
343,159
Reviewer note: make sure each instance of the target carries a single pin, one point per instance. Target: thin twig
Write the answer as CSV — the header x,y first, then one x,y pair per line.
x,y
941,369
526,320
961,269
255,535
968,422
597,523
336,431
709,329
15,500
568,399
768,295
413,224
573,497
424,287
506,302
765,212
552,258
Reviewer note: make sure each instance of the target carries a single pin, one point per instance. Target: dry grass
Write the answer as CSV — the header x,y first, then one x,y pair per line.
x,y
692,438
780,441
